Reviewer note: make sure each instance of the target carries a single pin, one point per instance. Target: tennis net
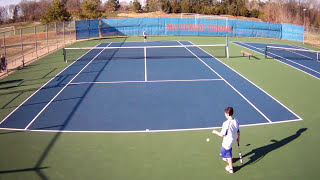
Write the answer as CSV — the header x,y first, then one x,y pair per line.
x,y
292,53
145,52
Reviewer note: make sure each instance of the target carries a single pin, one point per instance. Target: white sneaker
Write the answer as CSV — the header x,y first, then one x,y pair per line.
x,y
229,169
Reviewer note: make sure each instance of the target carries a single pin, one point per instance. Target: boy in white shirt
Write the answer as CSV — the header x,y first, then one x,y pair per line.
x,y
144,36
230,131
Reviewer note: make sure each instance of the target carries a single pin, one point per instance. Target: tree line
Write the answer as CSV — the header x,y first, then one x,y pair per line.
x,y
279,11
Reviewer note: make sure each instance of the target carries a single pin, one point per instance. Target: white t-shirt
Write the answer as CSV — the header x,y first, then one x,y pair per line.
x,y
230,129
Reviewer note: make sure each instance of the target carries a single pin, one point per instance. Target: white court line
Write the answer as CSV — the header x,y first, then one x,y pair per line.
x,y
62,89
43,86
143,42
171,130
145,64
281,61
256,85
230,85
270,43
154,81
144,131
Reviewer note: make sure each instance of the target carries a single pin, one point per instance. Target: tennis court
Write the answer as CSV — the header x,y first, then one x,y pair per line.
x,y
300,58
159,86
75,120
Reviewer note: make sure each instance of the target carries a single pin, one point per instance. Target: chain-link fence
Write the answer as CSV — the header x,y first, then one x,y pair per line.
x,y
23,46
312,36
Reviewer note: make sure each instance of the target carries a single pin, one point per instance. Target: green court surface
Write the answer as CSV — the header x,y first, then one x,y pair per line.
x,y
272,151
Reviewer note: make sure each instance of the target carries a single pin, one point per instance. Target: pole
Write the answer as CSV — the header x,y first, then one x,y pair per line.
x,y
266,52
64,36
56,35
65,55
4,44
35,38
70,29
47,38
304,22
22,47
227,38
5,50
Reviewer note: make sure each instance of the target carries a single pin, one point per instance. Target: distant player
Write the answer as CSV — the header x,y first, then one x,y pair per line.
x,y
230,132
3,65
144,36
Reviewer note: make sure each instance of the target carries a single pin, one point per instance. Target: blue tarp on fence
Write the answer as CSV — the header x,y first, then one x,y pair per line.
x,y
164,26
87,29
188,27
292,32
130,27
255,29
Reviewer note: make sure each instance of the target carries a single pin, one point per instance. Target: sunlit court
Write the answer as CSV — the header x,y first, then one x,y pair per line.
x,y
170,89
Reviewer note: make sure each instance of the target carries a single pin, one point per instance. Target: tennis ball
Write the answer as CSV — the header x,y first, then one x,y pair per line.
x,y
207,139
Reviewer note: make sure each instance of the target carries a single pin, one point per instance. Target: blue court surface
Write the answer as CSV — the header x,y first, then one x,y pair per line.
x,y
131,90
306,62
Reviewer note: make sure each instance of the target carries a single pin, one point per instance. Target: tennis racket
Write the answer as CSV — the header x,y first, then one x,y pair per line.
x,y
240,154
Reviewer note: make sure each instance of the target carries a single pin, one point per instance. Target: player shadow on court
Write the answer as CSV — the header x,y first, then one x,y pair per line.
x,y
257,154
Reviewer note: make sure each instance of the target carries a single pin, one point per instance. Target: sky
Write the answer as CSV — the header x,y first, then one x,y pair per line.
x,y
8,2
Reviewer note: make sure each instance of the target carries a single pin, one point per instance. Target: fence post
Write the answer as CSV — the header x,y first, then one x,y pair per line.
x,y
4,44
5,49
56,35
47,38
99,27
35,38
21,39
64,36
70,29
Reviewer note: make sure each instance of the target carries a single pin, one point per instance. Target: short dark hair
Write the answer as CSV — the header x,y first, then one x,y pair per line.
x,y
229,111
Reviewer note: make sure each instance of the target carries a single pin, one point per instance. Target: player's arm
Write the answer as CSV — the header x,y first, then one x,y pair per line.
x,y
223,131
221,134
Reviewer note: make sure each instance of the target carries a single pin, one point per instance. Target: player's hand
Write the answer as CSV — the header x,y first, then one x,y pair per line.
x,y
215,132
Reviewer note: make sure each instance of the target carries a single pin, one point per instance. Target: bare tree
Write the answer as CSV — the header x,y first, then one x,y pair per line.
x,y
292,11
73,6
44,4
3,14
30,10
13,11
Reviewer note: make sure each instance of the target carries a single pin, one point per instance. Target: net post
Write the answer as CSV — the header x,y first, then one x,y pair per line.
x,y
265,52
64,55
318,57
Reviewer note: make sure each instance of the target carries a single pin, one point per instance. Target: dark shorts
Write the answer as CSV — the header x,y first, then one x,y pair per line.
x,y
226,153
145,37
